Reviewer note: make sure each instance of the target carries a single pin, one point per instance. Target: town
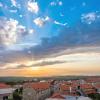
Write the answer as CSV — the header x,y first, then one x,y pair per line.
x,y
52,89
49,49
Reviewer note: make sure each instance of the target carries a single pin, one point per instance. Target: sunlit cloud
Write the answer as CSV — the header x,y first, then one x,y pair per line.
x,y
89,18
48,63
56,36
9,66
35,68
33,7
30,31
8,31
65,60
15,4
41,21
11,31
38,21
62,24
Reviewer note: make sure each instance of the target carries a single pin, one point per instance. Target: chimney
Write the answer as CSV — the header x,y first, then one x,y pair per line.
x,y
70,88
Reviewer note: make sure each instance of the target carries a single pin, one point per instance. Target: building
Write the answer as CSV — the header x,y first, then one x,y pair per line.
x,y
93,80
36,91
87,89
5,91
68,89
97,86
58,96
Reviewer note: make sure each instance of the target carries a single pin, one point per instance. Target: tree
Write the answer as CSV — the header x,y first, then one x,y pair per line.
x,y
16,95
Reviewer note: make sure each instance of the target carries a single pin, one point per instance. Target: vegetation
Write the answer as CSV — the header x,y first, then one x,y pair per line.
x,y
22,79
17,95
94,96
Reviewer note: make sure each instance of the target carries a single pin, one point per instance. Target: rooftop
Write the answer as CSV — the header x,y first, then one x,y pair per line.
x,y
38,85
3,85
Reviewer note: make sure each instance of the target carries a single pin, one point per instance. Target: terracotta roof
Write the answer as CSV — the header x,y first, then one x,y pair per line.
x,y
69,94
57,95
75,81
90,92
38,85
66,83
86,86
68,90
74,85
92,80
97,86
67,87
64,87
3,85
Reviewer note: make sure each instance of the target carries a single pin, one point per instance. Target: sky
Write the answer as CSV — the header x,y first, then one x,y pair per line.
x,y
49,37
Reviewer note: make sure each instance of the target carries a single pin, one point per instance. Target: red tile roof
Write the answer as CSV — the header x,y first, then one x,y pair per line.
x,y
38,85
86,86
57,95
67,87
64,87
69,94
68,90
92,80
66,83
90,91
75,81
97,86
3,85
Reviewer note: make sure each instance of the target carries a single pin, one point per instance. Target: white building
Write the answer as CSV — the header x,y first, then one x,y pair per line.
x,y
36,91
5,91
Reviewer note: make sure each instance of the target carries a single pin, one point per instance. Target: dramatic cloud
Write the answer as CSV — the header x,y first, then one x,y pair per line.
x,y
77,39
10,31
47,63
61,59
89,18
9,65
54,41
33,7
81,35
42,63
41,21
